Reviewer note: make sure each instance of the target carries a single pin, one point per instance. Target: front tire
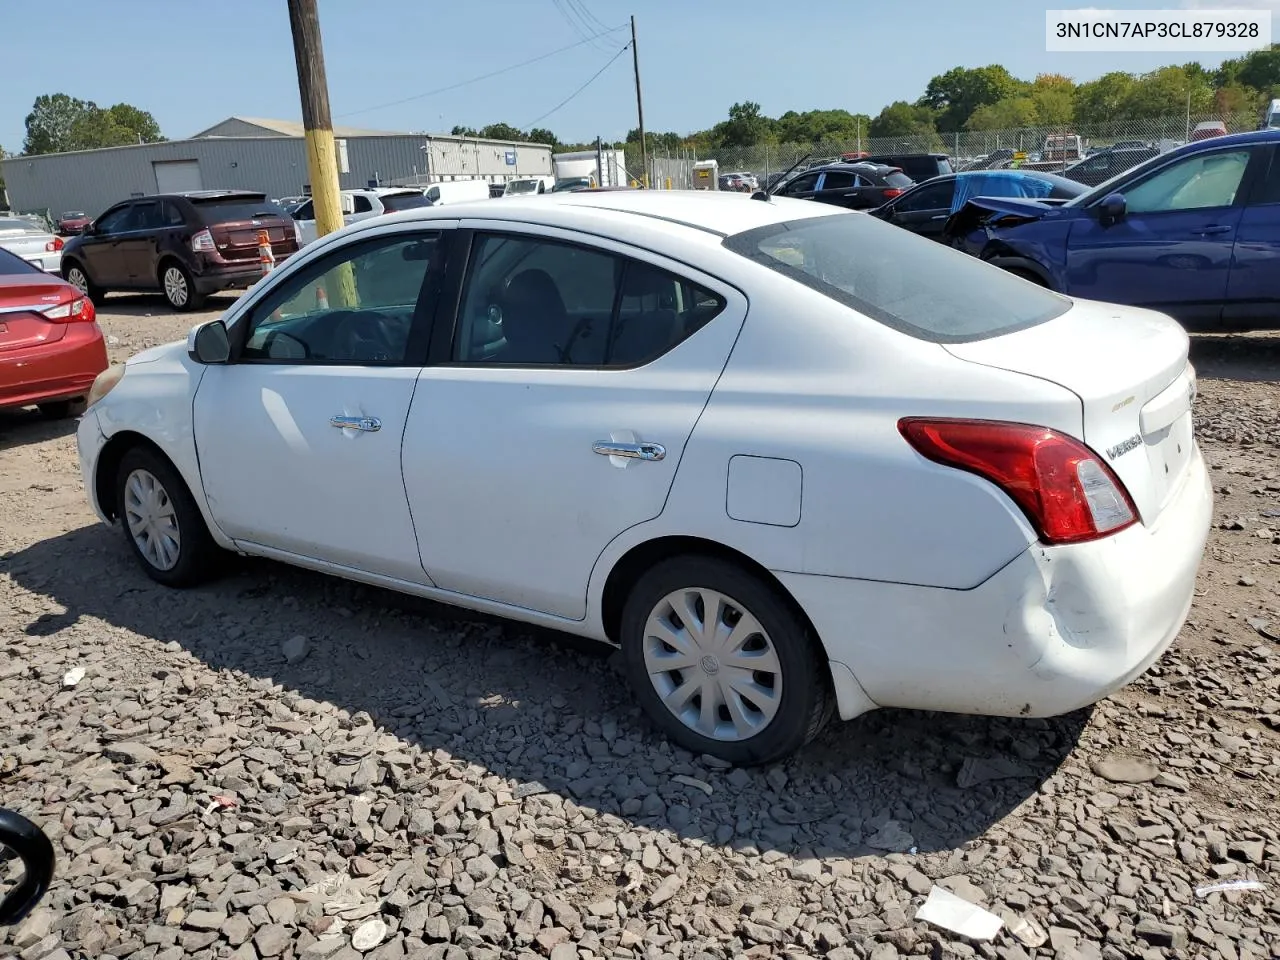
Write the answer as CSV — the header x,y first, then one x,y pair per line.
x,y
179,289
722,663
78,277
162,524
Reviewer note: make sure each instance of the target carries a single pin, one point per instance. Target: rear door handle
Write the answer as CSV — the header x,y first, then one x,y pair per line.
x,y
367,424
632,451
1214,231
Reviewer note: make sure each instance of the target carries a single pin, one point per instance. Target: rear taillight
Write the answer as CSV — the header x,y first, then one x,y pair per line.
x,y
202,242
892,192
297,233
54,245
79,310
1066,491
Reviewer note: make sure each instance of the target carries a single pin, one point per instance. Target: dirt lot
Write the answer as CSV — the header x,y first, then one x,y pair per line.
x,y
419,784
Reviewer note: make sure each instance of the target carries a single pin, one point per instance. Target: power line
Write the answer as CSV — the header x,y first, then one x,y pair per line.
x,y
581,26
591,20
486,76
625,47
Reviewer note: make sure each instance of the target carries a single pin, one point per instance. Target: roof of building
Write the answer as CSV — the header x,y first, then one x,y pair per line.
x,y
294,128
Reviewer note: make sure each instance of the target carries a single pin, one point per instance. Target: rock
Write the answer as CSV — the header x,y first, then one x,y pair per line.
x,y
1119,769
667,889
295,649
980,770
237,929
204,920
891,837
368,935
34,928
564,951
1251,851
918,883
131,753
272,939
1161,934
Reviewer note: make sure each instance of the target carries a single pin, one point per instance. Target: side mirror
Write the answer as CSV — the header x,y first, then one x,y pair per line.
x,y
209,344
1112,207
31,845
88,230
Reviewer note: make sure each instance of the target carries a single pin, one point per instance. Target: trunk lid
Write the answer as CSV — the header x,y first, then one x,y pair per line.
x,y
234,222
1129,369
28,246
23,297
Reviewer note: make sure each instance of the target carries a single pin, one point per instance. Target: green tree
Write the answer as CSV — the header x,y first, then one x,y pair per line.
x,y
1054,98
502,131
1008,114
1163,92
656,142
58,123
1099,101
813,126
902,119
745,127
1260,69
954,95
461,131
543,135
140,124
51,121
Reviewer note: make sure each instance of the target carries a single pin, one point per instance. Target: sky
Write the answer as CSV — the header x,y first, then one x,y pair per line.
x,y
194,63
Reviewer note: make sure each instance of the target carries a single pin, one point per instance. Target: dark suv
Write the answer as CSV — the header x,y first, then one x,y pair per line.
x,y
858,186
918,166
186,245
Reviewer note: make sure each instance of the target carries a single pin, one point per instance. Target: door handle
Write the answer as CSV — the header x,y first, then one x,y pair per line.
x,y
1214,231
941,216
633,451
367,424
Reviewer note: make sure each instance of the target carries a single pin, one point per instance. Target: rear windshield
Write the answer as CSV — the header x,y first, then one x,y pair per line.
x,y
225,211
898,179
12,266
404,201
906,282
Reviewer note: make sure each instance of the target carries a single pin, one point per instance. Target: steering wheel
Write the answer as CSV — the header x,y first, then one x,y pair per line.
x,y
361,335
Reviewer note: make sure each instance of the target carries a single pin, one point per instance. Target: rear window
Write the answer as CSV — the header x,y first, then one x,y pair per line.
x,y
13,266
404,201
912,284
898,179
225,211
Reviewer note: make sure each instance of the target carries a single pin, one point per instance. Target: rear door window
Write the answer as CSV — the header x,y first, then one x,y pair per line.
x,y
406,201
898,179
837,180
146,216
935,196
362,204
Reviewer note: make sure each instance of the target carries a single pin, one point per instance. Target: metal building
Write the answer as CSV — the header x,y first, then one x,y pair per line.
x,y
255,154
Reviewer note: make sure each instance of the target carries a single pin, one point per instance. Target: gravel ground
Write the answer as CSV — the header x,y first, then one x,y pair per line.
x,y
285,765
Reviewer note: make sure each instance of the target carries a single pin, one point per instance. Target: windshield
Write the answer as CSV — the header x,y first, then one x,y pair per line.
x,y
522,186
237,208
404,201
1108,186
902,280
13,224
73,215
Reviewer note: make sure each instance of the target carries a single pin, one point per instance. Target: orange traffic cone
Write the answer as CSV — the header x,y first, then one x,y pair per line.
x,y
266,259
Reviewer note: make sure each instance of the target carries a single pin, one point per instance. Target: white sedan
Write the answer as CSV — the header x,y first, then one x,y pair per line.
x,y
792,460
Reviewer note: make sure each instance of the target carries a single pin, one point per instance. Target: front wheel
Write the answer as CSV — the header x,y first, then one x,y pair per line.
x,y
179,288
161,522
722,663
75,275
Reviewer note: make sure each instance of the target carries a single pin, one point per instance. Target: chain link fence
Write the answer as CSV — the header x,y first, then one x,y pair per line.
x,y
1047,147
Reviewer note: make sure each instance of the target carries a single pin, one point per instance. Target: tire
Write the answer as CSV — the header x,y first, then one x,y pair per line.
x,y
1027,275
763,728
155,507
178,287
78,276
62,409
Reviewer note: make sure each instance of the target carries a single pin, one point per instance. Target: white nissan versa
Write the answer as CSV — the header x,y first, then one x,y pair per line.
x,y
791,459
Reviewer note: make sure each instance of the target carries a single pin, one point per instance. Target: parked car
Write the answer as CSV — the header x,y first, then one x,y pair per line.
x,y
581,429
72,222
186,245
858,186
1106,164
918,166
926,207
32,241
1208,130
1194,232
570,184
457,191
31,845
51,348
528,185
360,205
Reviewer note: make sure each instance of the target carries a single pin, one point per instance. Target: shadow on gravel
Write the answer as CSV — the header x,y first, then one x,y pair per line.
x,y
28,425
550,713
154,304
1237,356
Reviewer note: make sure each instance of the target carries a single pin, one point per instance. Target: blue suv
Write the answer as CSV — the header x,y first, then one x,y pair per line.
x,y
1194,233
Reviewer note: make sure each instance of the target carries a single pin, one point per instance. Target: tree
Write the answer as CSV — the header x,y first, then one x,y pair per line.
x,y
902,119
1260,69
954,95
543,135
1163,92
1053,97
1099,101
461,131
502,131
813,126
1008,114
745,127
58,123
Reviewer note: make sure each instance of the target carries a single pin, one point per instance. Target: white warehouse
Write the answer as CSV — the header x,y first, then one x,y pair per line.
x,y
249,153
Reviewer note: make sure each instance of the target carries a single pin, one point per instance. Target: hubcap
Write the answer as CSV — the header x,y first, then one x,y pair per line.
x,y
153,524
175,286
712,664
78,279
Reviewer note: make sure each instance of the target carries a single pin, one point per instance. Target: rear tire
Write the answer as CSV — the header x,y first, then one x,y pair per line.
x,y
62,409
162,525
78,277
178,287
748,683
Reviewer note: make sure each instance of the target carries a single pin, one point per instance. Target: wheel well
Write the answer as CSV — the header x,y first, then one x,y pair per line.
x,y
641,558
162,263
104,480
68,262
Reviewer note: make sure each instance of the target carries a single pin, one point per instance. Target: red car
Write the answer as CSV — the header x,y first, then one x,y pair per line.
x,y
72,223
51,347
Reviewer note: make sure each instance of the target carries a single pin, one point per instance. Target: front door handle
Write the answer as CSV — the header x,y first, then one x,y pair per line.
x,y
1213,231
368,424
632,451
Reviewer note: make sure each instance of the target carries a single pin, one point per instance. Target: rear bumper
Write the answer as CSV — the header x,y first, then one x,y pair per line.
x,y
1055,630
89,444
54,371
211,275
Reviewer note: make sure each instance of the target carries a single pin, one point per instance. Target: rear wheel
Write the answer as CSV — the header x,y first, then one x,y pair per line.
x,y
179,288
722,663
75,275
161,522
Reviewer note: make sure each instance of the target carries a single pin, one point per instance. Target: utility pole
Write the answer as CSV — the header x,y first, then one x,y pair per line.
x,y
644,147
322,157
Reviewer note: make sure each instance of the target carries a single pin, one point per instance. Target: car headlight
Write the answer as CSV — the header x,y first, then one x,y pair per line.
x,y
105,382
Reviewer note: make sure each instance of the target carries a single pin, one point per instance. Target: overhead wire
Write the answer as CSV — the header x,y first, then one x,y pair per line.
x,y
625,47
580,24
485,76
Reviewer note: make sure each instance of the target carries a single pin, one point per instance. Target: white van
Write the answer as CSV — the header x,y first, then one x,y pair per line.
x,y
526,186
457,191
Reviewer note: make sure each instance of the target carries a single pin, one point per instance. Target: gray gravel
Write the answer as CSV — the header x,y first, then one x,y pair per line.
x,y
282,765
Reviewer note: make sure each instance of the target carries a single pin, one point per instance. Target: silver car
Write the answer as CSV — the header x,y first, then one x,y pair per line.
x,y
32,241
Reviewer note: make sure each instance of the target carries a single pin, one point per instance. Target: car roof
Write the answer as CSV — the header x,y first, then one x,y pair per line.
x,y
1227,140
207,194
708,212
859,166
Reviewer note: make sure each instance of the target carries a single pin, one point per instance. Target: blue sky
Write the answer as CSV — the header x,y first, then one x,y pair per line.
x,y
194,63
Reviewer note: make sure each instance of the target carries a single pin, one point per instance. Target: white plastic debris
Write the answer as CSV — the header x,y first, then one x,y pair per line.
x,y
73,676
944,909
694,782
1028,933
1228,886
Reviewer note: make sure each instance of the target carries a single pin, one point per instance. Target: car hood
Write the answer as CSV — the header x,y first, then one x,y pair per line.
x,y
162,352
1001,212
